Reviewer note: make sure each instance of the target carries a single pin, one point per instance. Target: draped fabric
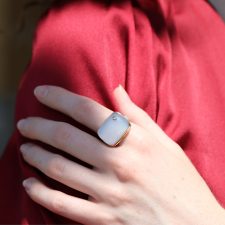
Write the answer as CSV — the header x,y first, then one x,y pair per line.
x,y
168,54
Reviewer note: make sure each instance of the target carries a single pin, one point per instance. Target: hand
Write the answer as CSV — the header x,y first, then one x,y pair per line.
x,y
146,179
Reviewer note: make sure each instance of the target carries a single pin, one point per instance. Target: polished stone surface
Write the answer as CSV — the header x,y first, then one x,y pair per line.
x,y
113,128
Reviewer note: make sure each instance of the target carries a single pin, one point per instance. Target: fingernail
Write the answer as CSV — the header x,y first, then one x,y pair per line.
x,y
124,94
41,91
21,124
27,184
25,147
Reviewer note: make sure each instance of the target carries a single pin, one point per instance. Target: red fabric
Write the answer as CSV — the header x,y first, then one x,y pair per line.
x,y
168,54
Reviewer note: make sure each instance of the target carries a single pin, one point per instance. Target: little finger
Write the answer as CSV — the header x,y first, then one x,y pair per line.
x,y
76,209
63,170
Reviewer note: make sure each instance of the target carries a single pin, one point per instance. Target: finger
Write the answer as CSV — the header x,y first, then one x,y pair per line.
x,y
67,138
141,118
76,209
63,170
80,108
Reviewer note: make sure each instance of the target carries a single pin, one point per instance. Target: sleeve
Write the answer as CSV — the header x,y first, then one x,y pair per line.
x,y
168,54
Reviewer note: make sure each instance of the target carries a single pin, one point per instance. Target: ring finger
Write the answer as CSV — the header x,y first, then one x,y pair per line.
x,y
76,209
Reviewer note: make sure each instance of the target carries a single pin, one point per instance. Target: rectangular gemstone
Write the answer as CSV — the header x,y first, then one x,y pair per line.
x,y
113,128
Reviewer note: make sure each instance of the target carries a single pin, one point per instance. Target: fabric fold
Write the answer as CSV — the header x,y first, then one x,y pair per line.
x,y
169,56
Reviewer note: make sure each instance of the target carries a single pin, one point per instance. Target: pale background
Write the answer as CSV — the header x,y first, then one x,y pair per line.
x,y
15,54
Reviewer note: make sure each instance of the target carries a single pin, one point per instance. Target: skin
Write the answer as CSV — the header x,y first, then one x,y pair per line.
x,y
146,179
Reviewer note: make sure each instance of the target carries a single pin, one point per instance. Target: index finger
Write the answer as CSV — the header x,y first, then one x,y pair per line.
x,y
82,109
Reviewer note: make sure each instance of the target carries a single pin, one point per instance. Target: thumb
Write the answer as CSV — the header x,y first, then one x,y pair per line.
x,y
129,109
141,118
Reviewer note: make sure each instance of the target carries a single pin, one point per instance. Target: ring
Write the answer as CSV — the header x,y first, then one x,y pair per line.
x,y
114,129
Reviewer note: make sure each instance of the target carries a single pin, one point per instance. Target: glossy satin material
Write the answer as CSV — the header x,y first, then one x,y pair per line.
x,y
168,54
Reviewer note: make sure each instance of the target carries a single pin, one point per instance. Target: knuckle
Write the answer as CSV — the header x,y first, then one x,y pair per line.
x,y
146,143
111,219
56,166
116,196
61,134
123,168
138,138
57,203
115,163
